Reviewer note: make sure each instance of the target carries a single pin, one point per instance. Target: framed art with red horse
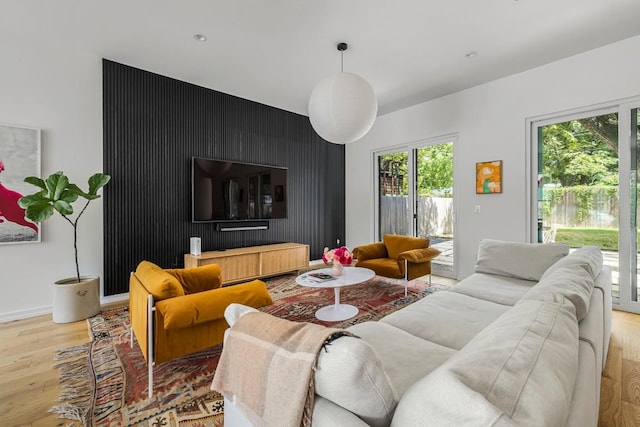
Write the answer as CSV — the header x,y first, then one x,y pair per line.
x,y
19,158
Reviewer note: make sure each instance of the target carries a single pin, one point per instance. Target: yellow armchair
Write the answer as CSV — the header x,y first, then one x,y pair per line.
x,y
398,257
176,312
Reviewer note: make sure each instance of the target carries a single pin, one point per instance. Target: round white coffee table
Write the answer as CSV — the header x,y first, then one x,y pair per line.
x,y
350,276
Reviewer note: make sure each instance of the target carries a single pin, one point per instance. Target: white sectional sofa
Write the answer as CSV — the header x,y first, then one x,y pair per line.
x,y
523,341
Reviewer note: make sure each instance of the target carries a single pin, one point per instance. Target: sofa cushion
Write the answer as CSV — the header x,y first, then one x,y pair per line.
x,y
490,287
158,282
446,318
405,357
583,410
526,261
591,328
443,400
574,284
396,244
523,365
325,413
198,279
587,257
350,374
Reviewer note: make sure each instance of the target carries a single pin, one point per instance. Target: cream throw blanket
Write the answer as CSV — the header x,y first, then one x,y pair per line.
x,y
267,364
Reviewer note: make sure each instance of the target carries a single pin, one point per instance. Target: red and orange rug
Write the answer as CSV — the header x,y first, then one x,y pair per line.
x,y
104,382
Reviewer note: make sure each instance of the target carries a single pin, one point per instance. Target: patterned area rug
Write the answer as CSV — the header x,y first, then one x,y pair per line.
x,y
104,382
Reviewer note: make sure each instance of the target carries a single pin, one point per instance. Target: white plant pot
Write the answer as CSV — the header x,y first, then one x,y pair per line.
x,y
73,301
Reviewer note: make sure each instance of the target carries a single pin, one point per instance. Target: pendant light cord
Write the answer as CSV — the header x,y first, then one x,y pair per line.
x,y
342,46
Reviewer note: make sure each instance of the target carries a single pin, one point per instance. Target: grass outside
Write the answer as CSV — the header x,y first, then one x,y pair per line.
x,y
604,238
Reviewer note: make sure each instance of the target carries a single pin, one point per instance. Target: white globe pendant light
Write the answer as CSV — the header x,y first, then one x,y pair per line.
x,y
342,107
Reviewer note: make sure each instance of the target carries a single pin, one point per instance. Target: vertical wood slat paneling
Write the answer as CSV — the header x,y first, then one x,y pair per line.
x,y
153,125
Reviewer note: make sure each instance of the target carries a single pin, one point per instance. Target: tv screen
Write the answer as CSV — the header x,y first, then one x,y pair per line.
x,y
228,191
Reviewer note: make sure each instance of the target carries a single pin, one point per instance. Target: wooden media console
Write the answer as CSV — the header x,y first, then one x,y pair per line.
x,y
243,264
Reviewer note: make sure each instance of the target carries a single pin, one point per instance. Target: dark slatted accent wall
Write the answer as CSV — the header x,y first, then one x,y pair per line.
x,y
154,125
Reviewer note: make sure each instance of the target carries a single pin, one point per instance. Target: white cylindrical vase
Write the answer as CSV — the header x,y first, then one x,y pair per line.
x,y
73,301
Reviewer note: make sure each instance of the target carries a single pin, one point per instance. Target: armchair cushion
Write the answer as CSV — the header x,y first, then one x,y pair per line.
x,y
419,255
202,307
198,279
386,267
158,282
370,251
396,244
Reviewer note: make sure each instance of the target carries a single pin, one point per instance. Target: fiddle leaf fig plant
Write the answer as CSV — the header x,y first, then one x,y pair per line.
x,y
57,194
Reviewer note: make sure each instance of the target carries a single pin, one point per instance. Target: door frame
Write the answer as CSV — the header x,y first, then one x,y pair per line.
x,y
622,107
411,176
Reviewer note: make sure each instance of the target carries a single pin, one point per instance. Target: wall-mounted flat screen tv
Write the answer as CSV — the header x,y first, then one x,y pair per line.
x,y
226,191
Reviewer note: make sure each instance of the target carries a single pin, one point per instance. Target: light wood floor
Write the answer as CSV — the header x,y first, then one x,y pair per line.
x,y
29,383
620,391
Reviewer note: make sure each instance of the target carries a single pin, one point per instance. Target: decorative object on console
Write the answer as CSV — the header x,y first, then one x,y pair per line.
x,y
196,246
489,177
19,157
343,106
78,297
338,257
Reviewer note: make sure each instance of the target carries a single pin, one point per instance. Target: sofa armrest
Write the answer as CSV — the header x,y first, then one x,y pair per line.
x,y
370,251
207,306
419,255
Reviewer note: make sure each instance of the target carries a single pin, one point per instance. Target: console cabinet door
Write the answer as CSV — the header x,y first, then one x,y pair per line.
x,y
284,260
239,267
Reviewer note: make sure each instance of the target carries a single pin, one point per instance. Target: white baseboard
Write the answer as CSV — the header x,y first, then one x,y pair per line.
x,y
25,314
47,309
113,299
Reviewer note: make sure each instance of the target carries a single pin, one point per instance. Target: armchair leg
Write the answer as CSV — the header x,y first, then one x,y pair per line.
x,y
150,379
406,276
150,349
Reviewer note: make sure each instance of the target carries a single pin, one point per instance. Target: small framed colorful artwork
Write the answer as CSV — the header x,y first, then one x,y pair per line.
x,y
489,177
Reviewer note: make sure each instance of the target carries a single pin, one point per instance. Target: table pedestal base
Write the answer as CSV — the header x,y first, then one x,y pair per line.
x,y
334,313
337,311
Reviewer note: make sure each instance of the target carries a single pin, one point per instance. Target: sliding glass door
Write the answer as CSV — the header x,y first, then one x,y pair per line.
x,y
586,168
416,196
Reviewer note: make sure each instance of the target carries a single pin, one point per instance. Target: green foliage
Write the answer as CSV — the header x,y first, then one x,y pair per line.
x,y
57,194
573,155
604,238
434,166
584,196
435,170
395,168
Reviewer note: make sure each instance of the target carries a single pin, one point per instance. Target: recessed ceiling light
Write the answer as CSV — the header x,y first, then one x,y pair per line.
x,y
200,37
471,54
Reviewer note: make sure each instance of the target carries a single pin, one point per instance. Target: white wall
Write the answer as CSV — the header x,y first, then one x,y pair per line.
x,y
490,120
59,92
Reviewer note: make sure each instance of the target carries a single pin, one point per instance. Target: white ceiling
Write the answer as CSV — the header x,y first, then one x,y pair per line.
x,y
275,51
